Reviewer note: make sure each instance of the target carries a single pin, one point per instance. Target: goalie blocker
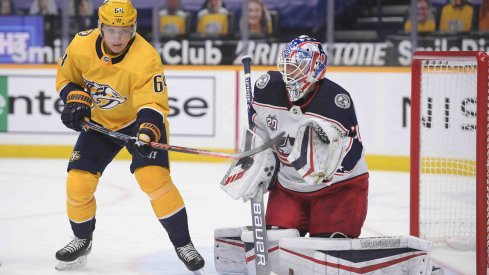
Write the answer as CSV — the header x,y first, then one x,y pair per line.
x,y
245,175
291,254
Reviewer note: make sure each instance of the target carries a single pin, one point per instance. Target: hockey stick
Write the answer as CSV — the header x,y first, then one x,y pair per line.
x,y
257,206
186,150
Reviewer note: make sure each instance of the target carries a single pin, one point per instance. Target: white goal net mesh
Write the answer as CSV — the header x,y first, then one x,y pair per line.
x,y
447,182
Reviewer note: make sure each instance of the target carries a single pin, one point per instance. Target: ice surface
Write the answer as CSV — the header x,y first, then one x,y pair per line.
x,y
129,239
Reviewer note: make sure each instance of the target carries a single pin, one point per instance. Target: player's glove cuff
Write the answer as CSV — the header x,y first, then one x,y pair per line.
x,y
77,108
149,132
79,97
146,134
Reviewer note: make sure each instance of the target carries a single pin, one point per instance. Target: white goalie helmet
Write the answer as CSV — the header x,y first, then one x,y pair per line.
x,y
301,63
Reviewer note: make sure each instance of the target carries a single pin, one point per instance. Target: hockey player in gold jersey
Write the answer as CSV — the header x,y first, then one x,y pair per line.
x,y
115,78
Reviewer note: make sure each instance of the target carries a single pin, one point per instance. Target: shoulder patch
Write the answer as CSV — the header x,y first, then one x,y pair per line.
x,y
342,101
85,33
263,81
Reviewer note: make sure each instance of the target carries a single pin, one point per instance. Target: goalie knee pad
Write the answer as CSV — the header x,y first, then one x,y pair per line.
x,y
234,248
80,189
156,182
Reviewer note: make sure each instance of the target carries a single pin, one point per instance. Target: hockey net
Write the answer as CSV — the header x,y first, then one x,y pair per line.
x,y
449,150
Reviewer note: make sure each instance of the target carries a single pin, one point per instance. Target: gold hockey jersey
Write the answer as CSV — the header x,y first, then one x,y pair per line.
x,y
213,23
119,85
456,19
173,23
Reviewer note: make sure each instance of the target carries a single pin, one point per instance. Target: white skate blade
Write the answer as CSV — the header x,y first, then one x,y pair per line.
x,y
199,272
76,264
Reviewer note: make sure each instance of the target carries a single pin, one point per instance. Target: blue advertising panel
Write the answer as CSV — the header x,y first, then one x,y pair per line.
x,y
18,35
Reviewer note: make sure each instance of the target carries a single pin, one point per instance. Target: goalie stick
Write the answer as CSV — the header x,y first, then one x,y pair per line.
x,y
257,206
186,150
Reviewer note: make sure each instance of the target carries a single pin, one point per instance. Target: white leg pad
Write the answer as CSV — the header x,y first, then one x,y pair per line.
x,y
229,250
234,249
383,255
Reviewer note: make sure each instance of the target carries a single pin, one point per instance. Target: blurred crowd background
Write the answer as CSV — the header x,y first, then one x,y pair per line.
x,y
440,24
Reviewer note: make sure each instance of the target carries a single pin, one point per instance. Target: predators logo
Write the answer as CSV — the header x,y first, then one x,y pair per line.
x,y
75,155
103,95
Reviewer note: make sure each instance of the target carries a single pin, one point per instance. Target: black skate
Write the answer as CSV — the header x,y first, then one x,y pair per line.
x,y
74,254
191,258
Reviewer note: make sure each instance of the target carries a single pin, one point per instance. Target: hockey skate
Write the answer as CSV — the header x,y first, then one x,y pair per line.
x,y
191,258
74,254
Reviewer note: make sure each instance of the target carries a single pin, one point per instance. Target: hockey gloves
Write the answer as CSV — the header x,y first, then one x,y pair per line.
x,y
318,151
144,134
246,175
77,108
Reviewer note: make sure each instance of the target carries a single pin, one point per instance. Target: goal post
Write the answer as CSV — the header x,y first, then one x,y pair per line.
x,y
449,150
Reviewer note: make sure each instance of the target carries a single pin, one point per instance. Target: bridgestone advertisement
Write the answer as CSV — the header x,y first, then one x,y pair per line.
x,y
394,51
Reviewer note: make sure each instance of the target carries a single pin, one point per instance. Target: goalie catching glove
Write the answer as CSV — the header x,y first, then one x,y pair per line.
x,y
318,151
246,175
144,135
77,108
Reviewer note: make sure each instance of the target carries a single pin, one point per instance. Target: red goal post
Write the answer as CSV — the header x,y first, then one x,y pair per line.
x,y
449,150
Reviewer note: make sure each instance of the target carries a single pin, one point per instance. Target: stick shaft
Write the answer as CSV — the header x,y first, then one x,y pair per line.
x,y
249,97
257,205
180,149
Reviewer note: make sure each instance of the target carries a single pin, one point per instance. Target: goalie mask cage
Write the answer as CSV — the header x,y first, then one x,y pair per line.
x,y
449,150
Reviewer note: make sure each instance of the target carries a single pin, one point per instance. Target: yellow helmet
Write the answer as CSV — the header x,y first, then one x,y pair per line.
x,y
118,13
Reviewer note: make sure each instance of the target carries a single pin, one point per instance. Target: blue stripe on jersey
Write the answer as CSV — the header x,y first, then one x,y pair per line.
x,y
302,160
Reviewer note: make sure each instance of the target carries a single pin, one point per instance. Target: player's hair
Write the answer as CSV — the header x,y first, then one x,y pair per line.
x,y
117,13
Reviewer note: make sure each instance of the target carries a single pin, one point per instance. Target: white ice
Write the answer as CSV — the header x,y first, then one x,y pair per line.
x,y
128,238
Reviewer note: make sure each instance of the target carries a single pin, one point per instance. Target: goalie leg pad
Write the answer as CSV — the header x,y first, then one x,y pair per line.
x,y
234,249
229,250
156,182
80,190
383,255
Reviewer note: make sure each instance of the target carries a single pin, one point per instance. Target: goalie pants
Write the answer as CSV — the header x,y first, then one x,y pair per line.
x,y
92,153
341,207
